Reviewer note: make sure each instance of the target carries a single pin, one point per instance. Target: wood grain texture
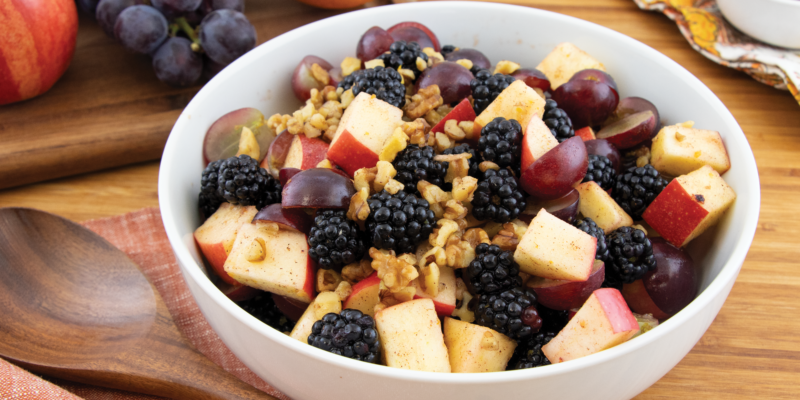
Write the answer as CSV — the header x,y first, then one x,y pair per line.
x,y
751,350
77,308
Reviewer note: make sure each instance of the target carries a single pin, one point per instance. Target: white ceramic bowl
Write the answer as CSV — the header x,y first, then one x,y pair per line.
x,y
261,79
776,22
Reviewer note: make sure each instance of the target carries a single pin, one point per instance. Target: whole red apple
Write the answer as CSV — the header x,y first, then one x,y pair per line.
x,y
37,40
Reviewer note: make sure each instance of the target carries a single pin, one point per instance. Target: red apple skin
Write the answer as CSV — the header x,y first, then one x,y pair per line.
x,y
313,151
287,218
639,300
431,35
350,154
602,147
586,133
216,255
318,188
36,46
374,42
302,79
365,283
463,111
564,208
311,275
587,102
617,311
287,173
630,131
564,295
673,284
674,213
291,308
237,292
556,172
276,155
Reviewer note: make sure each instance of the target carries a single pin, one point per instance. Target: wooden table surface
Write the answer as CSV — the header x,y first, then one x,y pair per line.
x,y
751,350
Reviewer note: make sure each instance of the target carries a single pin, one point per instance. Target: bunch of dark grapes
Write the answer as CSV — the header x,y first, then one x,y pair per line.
x,y
187,39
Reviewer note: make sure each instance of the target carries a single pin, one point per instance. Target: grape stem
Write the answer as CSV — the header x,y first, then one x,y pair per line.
x,y
182,24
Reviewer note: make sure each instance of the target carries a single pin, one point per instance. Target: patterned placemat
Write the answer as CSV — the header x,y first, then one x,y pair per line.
x,y
709,33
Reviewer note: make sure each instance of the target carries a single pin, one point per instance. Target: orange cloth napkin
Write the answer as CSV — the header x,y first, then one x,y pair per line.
x,y
141,236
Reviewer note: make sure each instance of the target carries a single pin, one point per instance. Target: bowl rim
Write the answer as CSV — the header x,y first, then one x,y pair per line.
x,y
726,275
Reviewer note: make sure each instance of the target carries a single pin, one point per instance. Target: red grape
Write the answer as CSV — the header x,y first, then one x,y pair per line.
x,y
453,81
478,59
176,64
225,35
141,29
374,42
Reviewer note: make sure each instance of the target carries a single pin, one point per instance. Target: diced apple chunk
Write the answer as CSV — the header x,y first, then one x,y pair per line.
x,y
445,300
689,205
517,101
564,61
365,295
604,321
537,141
363,129
216,236
411,337
305,153
554,249
281,265
601,208
679,150
474,348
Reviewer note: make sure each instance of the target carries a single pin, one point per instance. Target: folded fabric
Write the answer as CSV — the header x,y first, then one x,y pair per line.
x,y
141,236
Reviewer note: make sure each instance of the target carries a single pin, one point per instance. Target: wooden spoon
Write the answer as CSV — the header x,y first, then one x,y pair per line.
x,y
75,307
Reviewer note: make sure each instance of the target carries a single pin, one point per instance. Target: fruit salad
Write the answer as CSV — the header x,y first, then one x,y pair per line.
x,y
427,209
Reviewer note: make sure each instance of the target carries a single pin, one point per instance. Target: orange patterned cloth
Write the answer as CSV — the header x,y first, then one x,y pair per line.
x,y
141,236
709,33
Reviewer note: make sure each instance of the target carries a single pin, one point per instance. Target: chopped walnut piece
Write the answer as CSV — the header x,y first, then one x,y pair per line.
x,y
463,312
358,210
465,62
430,279
435,196
461,287
406,74
440,234
454,210
451,157
357,272
364,177
343,290
453,131
278,122
459,252
468,128
320,74
464,188
326,302
393,186
506,239
350,65
435,254
443,142
476,236
327,280
434,116
417,132
506,67
457,169
374,63
434,56
389,298
395,273
488,165
347,97
394,144
421,64
385,172
424,100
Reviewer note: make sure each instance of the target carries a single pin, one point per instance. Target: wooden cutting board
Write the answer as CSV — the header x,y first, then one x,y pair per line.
x,y
109,109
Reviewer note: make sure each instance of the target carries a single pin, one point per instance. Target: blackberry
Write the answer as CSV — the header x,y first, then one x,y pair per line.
x,y
636,188
415,164
385,83
557,120
528,353
473,161
601,171
505,312
404,54
399,221
239,180
351,334
493,270
552,320
501,142
209,199
630,256
263,307
498,197
447,49
589,226
486,87
334,240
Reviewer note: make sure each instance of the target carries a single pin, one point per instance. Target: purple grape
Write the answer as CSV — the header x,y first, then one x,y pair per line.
x,y
225,35
211,5
176,64
453,81
108,11
141,29
88,6
176,6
